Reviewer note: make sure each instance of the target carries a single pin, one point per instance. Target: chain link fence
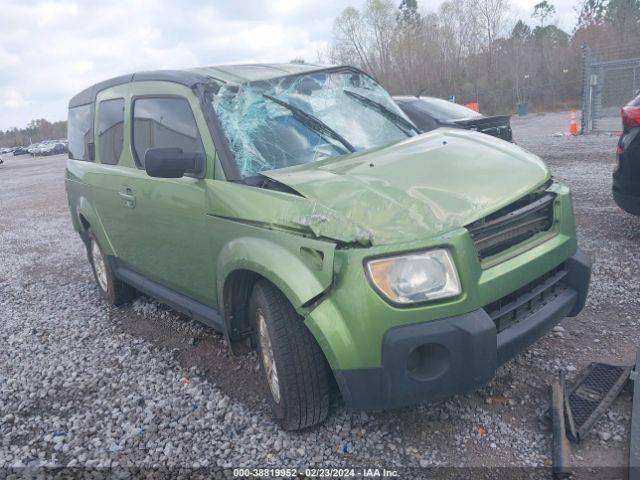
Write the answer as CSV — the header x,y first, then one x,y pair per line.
x,y
609,80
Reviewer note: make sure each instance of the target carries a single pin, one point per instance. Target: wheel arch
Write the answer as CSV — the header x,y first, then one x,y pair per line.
x,y
244,261
87,218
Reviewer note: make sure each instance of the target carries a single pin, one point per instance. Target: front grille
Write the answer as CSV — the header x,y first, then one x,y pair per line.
x,y
525,301
513,224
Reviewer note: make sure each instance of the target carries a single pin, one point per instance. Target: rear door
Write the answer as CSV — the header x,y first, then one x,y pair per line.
x,y
109,168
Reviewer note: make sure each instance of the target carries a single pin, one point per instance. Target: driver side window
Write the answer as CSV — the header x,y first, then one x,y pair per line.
x,y
164,122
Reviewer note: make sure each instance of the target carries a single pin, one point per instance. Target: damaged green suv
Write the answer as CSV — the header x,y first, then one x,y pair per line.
x,y
296,209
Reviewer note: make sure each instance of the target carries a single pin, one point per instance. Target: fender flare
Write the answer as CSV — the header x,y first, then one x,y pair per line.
x,y
86,210
281,264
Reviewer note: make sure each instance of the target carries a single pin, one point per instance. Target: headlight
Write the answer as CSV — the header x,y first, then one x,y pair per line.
x,y
416,277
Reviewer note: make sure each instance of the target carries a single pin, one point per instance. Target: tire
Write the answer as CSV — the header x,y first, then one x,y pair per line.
x,y
114,291
299,397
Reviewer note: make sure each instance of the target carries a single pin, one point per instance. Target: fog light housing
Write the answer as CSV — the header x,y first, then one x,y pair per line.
x,y
428,361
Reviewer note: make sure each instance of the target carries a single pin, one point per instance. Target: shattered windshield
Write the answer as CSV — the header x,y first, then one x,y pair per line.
x,y
304,118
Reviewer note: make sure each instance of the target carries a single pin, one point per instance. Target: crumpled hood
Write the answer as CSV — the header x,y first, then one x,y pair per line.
x,y
420,187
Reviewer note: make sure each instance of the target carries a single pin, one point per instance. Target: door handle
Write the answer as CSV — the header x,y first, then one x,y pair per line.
x,y
128,197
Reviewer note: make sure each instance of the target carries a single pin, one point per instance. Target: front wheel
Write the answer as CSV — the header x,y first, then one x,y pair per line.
x,y
292,362
114,290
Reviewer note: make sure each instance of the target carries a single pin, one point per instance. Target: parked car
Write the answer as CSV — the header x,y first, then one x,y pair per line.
x,y
34,148
626,176
20,151
48,147
53,148
296,209
429,113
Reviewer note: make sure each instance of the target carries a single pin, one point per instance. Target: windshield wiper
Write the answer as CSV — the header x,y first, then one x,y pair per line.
x,y
313,123
389,114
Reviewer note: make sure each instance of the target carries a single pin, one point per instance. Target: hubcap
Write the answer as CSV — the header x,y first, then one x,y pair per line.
x,y
99,266
267,358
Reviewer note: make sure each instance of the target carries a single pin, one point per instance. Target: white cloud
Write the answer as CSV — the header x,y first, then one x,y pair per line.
x,y
50,13
11,99
283,7
263,37
50,50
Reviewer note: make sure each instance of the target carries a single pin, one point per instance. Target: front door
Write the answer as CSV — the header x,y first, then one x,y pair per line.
x,y
169,240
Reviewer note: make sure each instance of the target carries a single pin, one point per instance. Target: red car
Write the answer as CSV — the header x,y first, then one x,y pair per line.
x,y
626,176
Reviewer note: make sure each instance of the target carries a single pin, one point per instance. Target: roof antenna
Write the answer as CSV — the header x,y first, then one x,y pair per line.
x,y
421,92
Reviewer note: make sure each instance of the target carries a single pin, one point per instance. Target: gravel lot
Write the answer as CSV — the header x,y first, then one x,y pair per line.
x,y
84,384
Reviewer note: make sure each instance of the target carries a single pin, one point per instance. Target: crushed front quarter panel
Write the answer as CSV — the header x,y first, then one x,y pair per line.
x,y
420,187
277,210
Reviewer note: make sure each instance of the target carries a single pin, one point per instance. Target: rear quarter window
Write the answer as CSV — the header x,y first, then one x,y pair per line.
x,y
78,132
110,130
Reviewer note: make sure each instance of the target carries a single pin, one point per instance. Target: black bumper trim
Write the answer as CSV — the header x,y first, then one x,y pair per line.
x,y
467,351
521,335
578,278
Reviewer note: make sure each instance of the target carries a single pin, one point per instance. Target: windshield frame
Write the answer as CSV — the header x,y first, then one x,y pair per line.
x,y
207,93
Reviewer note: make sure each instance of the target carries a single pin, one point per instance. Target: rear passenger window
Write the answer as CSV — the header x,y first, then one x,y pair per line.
x,y
110,130
162,123
78,131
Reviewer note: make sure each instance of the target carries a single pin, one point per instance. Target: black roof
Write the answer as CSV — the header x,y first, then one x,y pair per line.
x,y
183,77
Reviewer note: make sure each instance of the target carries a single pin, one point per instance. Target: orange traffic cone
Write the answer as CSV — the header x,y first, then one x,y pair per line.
x,y
573,126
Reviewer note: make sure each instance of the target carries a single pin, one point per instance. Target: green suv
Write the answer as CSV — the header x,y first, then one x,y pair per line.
x,y
296,209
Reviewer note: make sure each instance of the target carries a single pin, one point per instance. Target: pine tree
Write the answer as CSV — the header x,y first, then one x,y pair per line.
x,y
408,12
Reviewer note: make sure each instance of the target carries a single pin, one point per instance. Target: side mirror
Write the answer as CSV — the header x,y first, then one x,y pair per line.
x,y
170,162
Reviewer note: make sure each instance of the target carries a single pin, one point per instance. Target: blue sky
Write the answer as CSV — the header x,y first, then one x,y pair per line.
x,y
51,49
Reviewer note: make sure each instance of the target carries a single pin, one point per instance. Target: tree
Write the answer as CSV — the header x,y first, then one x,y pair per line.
x,y
618,10
466,48
492,19
408,12
36,130
551,36
365,38
592,27
521,30
591,13
624,16
542,11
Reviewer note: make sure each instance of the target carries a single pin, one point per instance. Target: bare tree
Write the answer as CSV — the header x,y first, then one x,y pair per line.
x,y
477,49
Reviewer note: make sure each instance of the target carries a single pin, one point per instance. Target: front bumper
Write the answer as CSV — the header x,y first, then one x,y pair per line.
x,y
433,360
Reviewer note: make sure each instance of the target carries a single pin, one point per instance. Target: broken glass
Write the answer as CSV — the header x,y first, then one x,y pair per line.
x,y
300,119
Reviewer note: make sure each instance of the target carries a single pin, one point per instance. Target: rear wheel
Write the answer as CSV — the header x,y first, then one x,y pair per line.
x,y
293,364
115,291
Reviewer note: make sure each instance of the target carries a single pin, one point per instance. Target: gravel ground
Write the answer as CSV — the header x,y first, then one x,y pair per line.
x,y
83,384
